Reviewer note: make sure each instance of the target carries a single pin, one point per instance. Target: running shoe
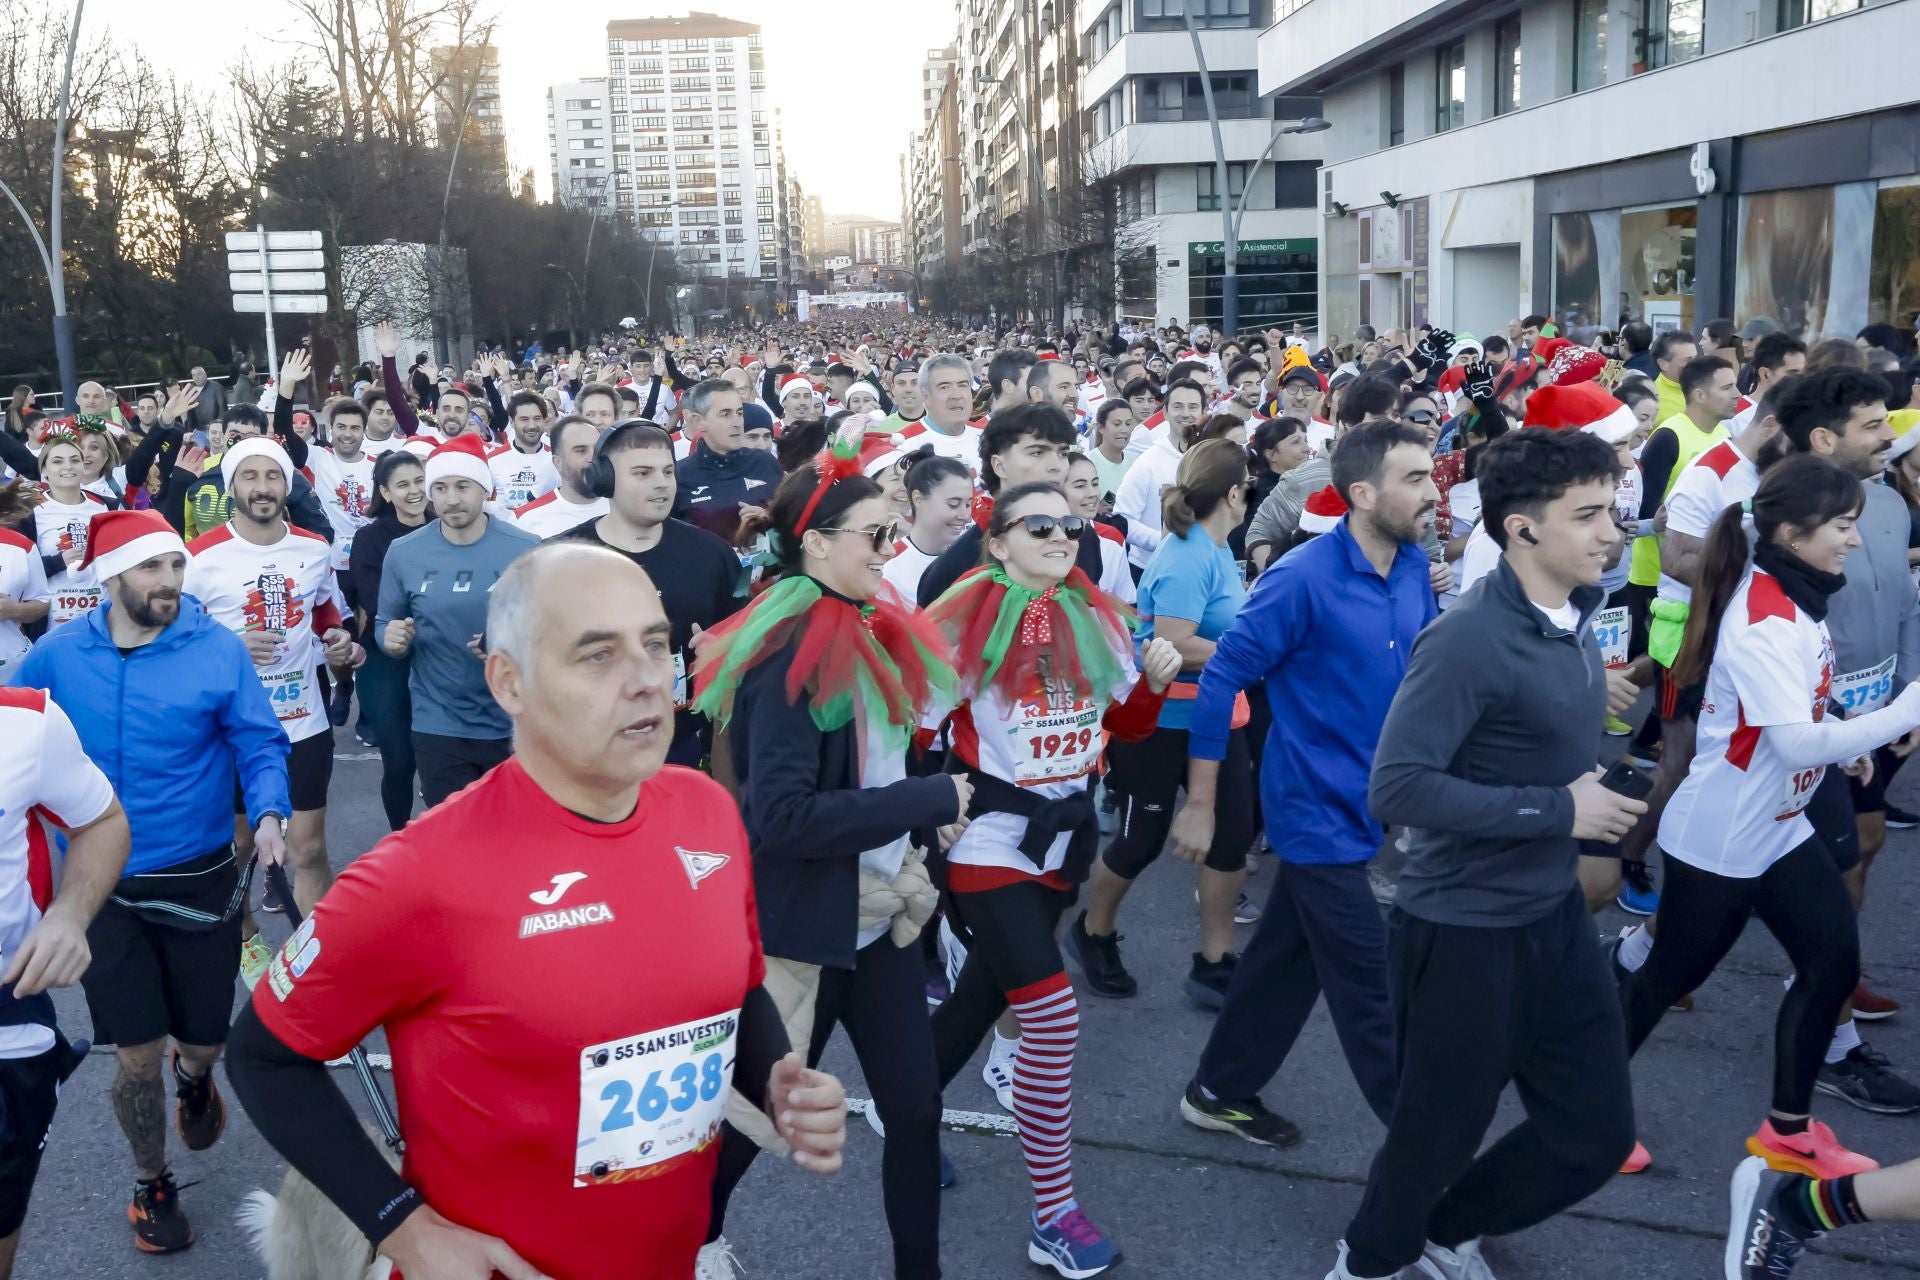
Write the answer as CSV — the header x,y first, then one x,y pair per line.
x,y
948,1174
716,1262
1637,1160
1245,910
1902,819
1617,728
1816,1153
1340,1271
1463,1262
1099,957
1637,897
1250,1120
199,1112
1648,760
1865,1077
158,1224
1870,1006
998,1074
255,956
1765,1237
269,900
1072,1246
1207,980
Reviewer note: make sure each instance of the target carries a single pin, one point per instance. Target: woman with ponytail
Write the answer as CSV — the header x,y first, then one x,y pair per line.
x,y
1046,671
821,683
1189,595
1736,835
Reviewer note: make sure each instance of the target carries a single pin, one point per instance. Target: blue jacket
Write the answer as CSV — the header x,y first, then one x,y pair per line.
x,y
1329,637
171,724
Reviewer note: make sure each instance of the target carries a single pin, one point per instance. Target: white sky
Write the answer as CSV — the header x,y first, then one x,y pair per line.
x,y
845,74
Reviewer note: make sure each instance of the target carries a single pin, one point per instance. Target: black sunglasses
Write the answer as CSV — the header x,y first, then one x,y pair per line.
x,y
1421,416
1042,527
881,535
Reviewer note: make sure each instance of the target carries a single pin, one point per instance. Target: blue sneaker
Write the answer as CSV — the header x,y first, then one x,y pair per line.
x,y
1072,1246
1638,897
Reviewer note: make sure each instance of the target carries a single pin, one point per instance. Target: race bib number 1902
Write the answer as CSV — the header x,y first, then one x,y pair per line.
x,y
651,1097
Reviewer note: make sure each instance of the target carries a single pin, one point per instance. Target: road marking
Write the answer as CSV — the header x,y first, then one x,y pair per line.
x,y
976,1122
362,755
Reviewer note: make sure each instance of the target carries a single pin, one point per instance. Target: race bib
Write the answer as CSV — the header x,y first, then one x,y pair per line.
x,y
72,602
1611,628
1801,784
287,691
680,700
1053,744
652,1097
1864,691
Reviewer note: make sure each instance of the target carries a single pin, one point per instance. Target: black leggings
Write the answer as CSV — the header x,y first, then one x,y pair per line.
x,y
1149,775
1805,906
1009,934
386,707
882,1002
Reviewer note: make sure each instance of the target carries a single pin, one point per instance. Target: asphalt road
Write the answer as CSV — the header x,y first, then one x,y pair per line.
x,y
1182,1203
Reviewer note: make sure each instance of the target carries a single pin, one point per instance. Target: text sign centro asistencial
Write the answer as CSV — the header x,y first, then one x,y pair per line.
x,y
1203,248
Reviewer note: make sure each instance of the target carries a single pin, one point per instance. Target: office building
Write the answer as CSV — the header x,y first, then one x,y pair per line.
x,y
1604,161
930,178
467,92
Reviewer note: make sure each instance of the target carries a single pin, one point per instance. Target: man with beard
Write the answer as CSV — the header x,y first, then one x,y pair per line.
x,y
273,585
433,606
343,475
1364,586
455,403
698,576
523,466
570,502
166,946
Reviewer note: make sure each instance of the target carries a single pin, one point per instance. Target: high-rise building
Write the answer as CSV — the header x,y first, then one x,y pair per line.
x,y
1603,164
1150,144
816,223
930,181
689,152
467,89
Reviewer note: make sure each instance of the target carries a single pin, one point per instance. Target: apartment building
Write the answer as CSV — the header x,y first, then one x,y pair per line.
x,y
467,93
1665,161
930,178
1148,134
685,149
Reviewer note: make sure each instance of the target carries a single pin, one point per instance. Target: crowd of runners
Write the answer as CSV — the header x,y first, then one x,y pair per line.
x,y
846,675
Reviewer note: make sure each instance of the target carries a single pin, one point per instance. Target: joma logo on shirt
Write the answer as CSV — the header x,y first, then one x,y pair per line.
x,y
571,918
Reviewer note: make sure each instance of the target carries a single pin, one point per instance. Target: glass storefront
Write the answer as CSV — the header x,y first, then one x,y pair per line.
x,y
1807,255
1279,282
1613,266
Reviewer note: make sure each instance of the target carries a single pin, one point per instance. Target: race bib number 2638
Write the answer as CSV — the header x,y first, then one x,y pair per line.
x,y
648,1098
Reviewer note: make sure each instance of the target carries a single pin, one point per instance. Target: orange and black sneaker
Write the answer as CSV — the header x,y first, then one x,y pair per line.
x,y
158,1224
200,1113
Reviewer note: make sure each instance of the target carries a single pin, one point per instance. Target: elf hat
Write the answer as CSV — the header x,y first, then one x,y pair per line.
x,y
1323,511
121,540
461,458
1583,406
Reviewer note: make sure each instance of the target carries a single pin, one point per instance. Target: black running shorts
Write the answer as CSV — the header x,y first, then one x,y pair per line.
x,y
167,967
29,1094
309,774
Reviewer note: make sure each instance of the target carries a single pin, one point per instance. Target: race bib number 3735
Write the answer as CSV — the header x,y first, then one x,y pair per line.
x,y
650,1098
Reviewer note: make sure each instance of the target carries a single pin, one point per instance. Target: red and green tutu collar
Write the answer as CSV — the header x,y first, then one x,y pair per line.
x,y
1003,634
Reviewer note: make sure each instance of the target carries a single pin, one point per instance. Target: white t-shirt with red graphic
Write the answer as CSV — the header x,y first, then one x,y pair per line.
x,y
22,578
1741,809
44,773
286,587
553,514
345,490
1718,479
60,527
519,478
963,446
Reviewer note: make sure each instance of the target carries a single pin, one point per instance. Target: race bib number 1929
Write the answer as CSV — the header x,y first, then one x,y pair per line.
x,y
652,1097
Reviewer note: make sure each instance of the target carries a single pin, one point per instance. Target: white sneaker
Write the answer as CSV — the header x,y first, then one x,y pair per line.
x,y
1463,1263
998,1073
1340,1271
716,1262
873,1120
952,951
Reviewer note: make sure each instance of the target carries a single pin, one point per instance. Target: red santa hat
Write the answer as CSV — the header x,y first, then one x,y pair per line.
x,y
1323,511
462,458
1571,364
1584,406
120,540
794,381
877,453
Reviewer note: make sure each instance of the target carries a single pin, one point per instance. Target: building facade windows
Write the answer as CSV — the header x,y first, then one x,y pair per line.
x,y
1798,13
1671,31
1589,44
1397,103
1506,65
1166,15
1450,86
1206,186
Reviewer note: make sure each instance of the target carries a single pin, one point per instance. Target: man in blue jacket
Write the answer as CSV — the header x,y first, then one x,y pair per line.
x,y
1327,630
722,475
166,703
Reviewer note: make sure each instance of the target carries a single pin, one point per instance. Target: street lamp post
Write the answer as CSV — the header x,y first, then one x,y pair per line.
x,y
1230,211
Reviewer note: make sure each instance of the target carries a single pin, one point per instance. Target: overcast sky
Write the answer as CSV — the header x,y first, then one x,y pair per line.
x,y
844,74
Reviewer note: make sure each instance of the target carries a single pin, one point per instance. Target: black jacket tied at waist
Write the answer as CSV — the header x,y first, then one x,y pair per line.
x,y
1046,819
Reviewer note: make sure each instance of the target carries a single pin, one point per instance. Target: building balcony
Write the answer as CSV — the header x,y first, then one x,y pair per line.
x,y
1152,53
1323,40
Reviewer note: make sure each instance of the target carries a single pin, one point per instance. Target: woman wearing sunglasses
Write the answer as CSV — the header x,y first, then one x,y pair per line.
x,y
1191,592
1046,670
821,683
